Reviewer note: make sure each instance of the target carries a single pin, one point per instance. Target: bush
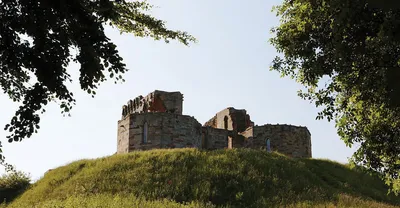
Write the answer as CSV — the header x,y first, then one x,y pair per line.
x,y
13,184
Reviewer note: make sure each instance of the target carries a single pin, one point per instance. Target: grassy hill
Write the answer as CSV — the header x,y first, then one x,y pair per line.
x,y
193,178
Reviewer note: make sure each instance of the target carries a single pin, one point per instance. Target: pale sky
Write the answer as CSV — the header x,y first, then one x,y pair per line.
x,y
229,66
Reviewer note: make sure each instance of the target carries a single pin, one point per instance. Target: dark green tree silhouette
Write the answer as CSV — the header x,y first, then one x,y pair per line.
x,y
347,55
36,38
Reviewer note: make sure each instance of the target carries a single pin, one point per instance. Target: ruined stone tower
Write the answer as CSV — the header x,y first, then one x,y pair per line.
x,y
156,121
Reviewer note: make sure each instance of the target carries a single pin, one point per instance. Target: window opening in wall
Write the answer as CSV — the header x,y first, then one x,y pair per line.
x,y
226,122
268,145
145,126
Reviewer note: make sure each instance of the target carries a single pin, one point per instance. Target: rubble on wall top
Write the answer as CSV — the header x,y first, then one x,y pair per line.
x,y
156,101
171,102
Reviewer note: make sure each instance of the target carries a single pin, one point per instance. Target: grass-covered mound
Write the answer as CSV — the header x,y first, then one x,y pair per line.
x,y
193,178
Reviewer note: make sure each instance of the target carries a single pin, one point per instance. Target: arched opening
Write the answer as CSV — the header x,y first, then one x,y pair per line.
x,y
226,122
268,144
145,127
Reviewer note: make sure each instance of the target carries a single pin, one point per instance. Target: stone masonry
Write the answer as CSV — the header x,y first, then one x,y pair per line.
x,y
231,119
157,101
156,121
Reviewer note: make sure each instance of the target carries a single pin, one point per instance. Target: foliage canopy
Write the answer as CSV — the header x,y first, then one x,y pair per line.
x,y
36,38
347,55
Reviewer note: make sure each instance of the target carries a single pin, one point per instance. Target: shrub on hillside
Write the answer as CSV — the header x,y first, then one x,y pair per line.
x,y
13,184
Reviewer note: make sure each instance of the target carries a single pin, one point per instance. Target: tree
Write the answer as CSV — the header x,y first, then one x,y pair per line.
x,y
346,53
36,38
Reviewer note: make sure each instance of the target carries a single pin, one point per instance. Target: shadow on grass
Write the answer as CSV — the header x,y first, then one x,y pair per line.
x,y
7,195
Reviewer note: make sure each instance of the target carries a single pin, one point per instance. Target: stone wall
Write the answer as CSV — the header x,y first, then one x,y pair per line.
x,y
157,101
213,138
212,122
221,120
160,130
156,121
123,136
287,139
230,119
248,133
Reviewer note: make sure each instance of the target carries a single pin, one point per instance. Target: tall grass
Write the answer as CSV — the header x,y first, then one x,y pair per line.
x,y
193,178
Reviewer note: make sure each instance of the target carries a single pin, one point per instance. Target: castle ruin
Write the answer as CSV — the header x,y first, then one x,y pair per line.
x,y
156,121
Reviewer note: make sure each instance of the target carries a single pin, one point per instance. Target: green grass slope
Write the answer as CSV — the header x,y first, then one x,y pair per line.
x,y
193,178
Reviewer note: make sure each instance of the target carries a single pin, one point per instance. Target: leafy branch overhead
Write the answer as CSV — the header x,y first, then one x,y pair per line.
x,y
35,41
353,48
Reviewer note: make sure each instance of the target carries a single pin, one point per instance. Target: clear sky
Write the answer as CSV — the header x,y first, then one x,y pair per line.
x,y
229,66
